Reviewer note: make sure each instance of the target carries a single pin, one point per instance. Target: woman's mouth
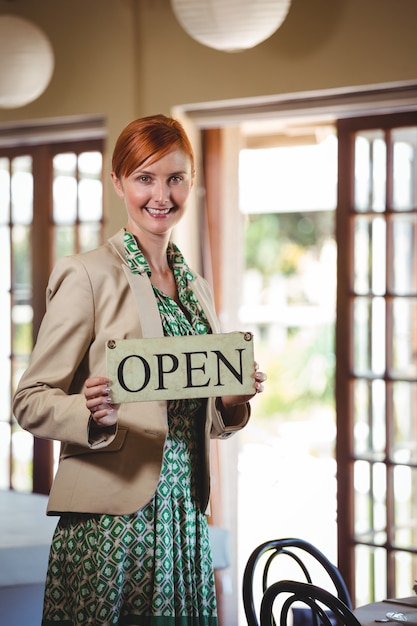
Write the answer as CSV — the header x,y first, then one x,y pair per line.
x,y
157,212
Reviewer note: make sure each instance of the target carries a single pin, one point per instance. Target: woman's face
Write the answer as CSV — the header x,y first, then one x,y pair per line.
x,y
155,195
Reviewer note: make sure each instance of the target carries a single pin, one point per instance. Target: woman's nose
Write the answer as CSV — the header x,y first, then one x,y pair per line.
x,y
162,193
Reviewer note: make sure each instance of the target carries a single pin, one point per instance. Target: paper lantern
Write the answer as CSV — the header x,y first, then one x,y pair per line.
x,y
230,25
26,62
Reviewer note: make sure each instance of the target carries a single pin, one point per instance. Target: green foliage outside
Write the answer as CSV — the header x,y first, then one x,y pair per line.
x,y
277,242
301,374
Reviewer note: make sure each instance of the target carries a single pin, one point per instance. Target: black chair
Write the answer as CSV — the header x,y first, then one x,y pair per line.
x,y
316,598
304,554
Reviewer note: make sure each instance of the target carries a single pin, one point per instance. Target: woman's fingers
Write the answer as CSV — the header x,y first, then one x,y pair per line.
x,y
98,401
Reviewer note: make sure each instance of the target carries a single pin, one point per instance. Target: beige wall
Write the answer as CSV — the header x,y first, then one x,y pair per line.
x,y
127,58
322,44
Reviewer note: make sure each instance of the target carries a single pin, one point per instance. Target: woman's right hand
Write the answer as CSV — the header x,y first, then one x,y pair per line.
x,y
98,401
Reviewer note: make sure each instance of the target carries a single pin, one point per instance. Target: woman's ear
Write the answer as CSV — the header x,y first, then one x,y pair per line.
x,y
117,184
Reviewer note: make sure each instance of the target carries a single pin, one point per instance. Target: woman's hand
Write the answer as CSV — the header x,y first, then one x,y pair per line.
x,y
232,401
98,401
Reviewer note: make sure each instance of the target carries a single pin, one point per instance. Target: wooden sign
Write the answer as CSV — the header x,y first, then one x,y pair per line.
x,y
192,366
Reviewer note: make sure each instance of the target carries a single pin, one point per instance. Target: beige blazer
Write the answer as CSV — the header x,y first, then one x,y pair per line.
x,y
93,297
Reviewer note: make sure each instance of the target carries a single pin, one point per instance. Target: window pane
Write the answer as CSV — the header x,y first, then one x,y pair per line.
x,y
65,200
370,501
90,235
5,191
22,316
404,337
369,430
404,168
90,199
21,242
370,255
405,573
362,416
65,188
404,406
5,276
90,164
369,333
370,171
22,190
22,453
64,241
404,254
405,483
370,586
5,334
78,202
90,191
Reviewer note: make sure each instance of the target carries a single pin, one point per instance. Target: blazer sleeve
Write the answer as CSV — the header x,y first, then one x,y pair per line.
x,y
49,401
219,430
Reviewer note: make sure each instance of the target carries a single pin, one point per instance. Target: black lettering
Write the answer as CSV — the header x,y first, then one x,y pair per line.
x,y
161,371
222,358
190,369
120,373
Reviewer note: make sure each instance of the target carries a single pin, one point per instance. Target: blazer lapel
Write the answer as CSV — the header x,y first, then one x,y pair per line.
x,y
146,303
143,294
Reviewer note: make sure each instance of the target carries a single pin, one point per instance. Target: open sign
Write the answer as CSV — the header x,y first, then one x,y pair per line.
x,y
192,366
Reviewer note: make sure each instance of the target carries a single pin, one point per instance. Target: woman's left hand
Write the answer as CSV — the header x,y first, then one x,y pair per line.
x,y
98,401
231,401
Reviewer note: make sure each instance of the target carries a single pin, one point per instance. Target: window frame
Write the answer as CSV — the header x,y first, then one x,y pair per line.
x,y
42,260
345,375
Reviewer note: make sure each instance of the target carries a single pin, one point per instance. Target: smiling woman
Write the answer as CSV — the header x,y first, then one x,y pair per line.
x,y
155,196
136,547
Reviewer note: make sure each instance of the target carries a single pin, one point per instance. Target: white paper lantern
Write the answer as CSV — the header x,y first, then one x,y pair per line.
x,y
230,25
26,62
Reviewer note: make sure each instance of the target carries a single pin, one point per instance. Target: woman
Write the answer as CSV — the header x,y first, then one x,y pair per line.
x,y
131,545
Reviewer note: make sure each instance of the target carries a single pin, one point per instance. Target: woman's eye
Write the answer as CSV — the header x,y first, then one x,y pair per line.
x,y
144,179
176,179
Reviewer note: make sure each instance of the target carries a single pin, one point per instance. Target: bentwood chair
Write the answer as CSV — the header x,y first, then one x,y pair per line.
x,y
306,557
316,598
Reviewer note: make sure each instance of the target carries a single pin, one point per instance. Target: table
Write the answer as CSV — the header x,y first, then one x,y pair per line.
x,y
368,614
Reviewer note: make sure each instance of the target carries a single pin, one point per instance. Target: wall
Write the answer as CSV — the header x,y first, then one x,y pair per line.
x,y
95,67
127,58
321,44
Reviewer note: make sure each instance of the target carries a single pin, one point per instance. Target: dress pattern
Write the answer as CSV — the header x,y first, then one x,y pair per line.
x,y
154,567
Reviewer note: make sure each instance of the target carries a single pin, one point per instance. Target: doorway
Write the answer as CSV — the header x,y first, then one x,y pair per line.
x,y
229,120
286,455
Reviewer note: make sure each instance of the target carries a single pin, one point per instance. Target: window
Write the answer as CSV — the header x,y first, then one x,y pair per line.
x,y
376,348
376,371
51,204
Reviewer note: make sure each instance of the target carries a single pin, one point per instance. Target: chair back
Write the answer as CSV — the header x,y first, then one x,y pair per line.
x,y
303,554
316,598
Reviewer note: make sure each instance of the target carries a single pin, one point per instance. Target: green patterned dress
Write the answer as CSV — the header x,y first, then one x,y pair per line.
x,y
154,567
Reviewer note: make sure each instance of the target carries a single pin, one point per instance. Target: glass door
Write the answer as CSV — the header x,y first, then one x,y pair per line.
x,y
376,355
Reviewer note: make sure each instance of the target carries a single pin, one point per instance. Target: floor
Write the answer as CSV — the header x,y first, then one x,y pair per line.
x,y
25,536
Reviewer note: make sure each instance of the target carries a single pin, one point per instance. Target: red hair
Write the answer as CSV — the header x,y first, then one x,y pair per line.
x,y
149,138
